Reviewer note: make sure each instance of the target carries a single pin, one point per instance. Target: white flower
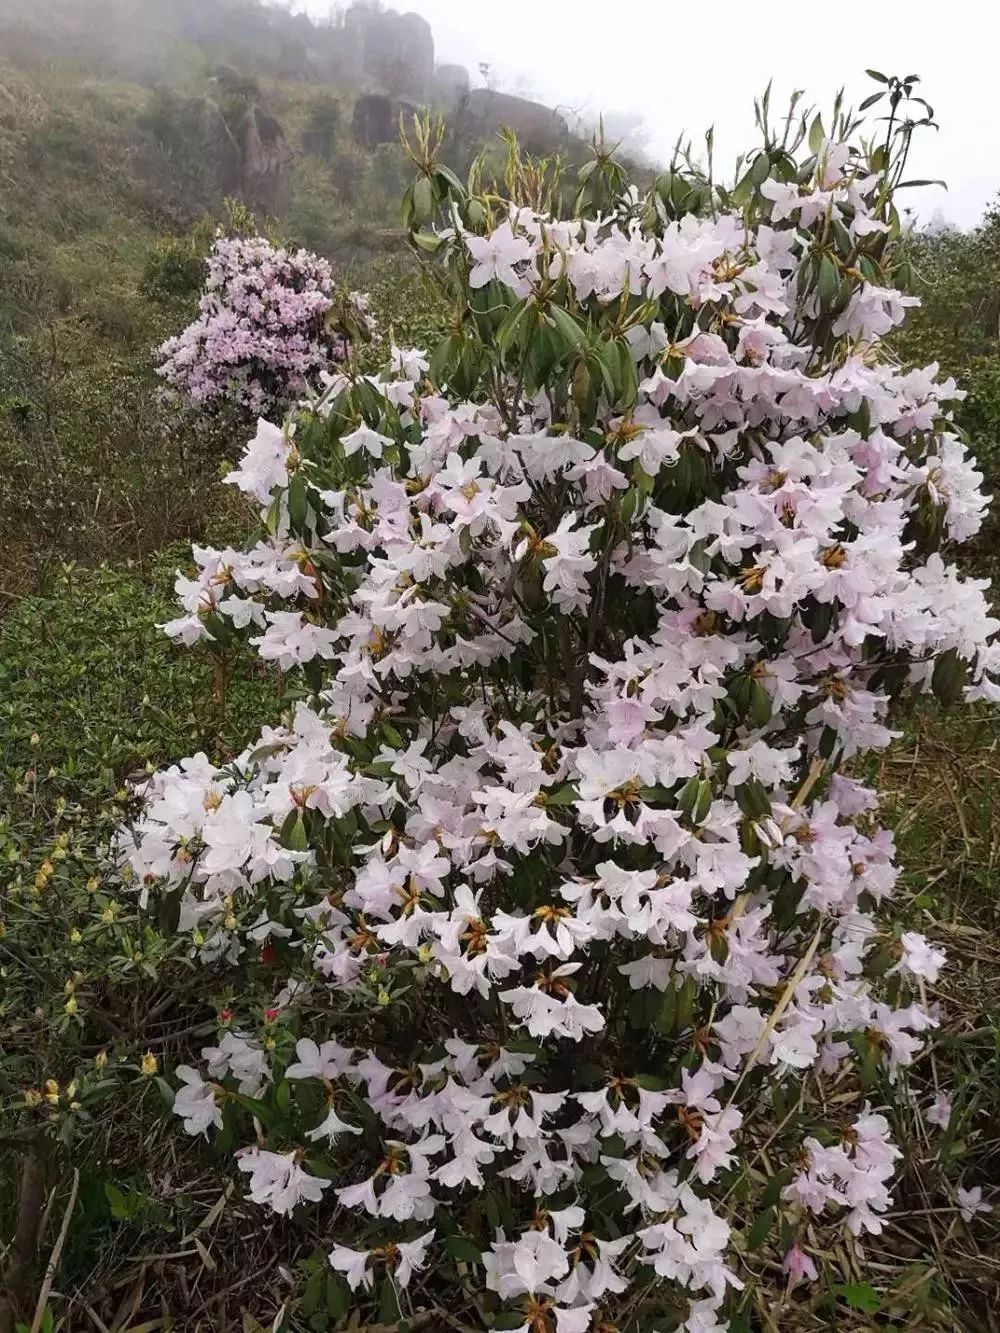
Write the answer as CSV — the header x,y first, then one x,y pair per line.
x,y
939,1111
264,464
353,1264
195,1102
276,1179
327,1061
496,256
367,439
920,958
970,1202
412,1257
331,1127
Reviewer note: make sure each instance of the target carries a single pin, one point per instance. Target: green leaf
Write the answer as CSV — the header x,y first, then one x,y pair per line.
x,y
444,358
761,169
337,1296
256,1108
949,678
859,1296
423,200
628,380
451,181
165,1091
816,134
392,736
651,1082
829,282
298,502
462,1249
874,74
507,333
293,832
666,1019
567,328
761,1228
760,703
388,1305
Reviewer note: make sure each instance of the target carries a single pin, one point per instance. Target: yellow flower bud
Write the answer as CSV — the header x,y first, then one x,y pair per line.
x,y
229,921
32,1098
93,884
35,738
101,1059
51,1091
75,936
150,1065
383,997
71,1005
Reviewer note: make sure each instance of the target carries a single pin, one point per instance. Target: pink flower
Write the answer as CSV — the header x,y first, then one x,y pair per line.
x,y
798,1265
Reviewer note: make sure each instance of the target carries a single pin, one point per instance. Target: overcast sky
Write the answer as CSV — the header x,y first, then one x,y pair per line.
x,y
685,66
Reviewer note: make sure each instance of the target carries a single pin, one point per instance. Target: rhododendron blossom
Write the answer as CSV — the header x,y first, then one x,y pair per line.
x,y
266,331
572,901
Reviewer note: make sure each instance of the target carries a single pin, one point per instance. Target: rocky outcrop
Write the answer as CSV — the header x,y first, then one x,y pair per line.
x,y
373,121
451,83
243,143
391,49
483,112
267,161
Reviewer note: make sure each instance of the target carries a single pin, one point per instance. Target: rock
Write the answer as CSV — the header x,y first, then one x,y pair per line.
x,y
483,112
395,50
451,83
267,159
373,120
376,118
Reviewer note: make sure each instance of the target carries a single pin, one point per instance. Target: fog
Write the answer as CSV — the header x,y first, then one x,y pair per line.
x,y
686,67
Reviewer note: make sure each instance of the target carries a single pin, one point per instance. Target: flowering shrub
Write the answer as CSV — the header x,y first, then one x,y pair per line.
x,y
268,328
553,924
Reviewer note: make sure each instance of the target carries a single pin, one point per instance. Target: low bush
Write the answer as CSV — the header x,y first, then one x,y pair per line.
x,y
559,929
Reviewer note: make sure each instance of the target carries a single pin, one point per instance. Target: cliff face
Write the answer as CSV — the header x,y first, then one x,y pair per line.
x,y
395,50
483,112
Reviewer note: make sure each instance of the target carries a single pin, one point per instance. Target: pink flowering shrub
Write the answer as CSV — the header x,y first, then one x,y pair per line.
x,y
266,330
561,974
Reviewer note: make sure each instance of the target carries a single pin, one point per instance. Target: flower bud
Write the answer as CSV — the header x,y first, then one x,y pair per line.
x,y
150,1065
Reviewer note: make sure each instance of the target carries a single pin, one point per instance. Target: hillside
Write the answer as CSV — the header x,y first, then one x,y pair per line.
x,y
124,124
